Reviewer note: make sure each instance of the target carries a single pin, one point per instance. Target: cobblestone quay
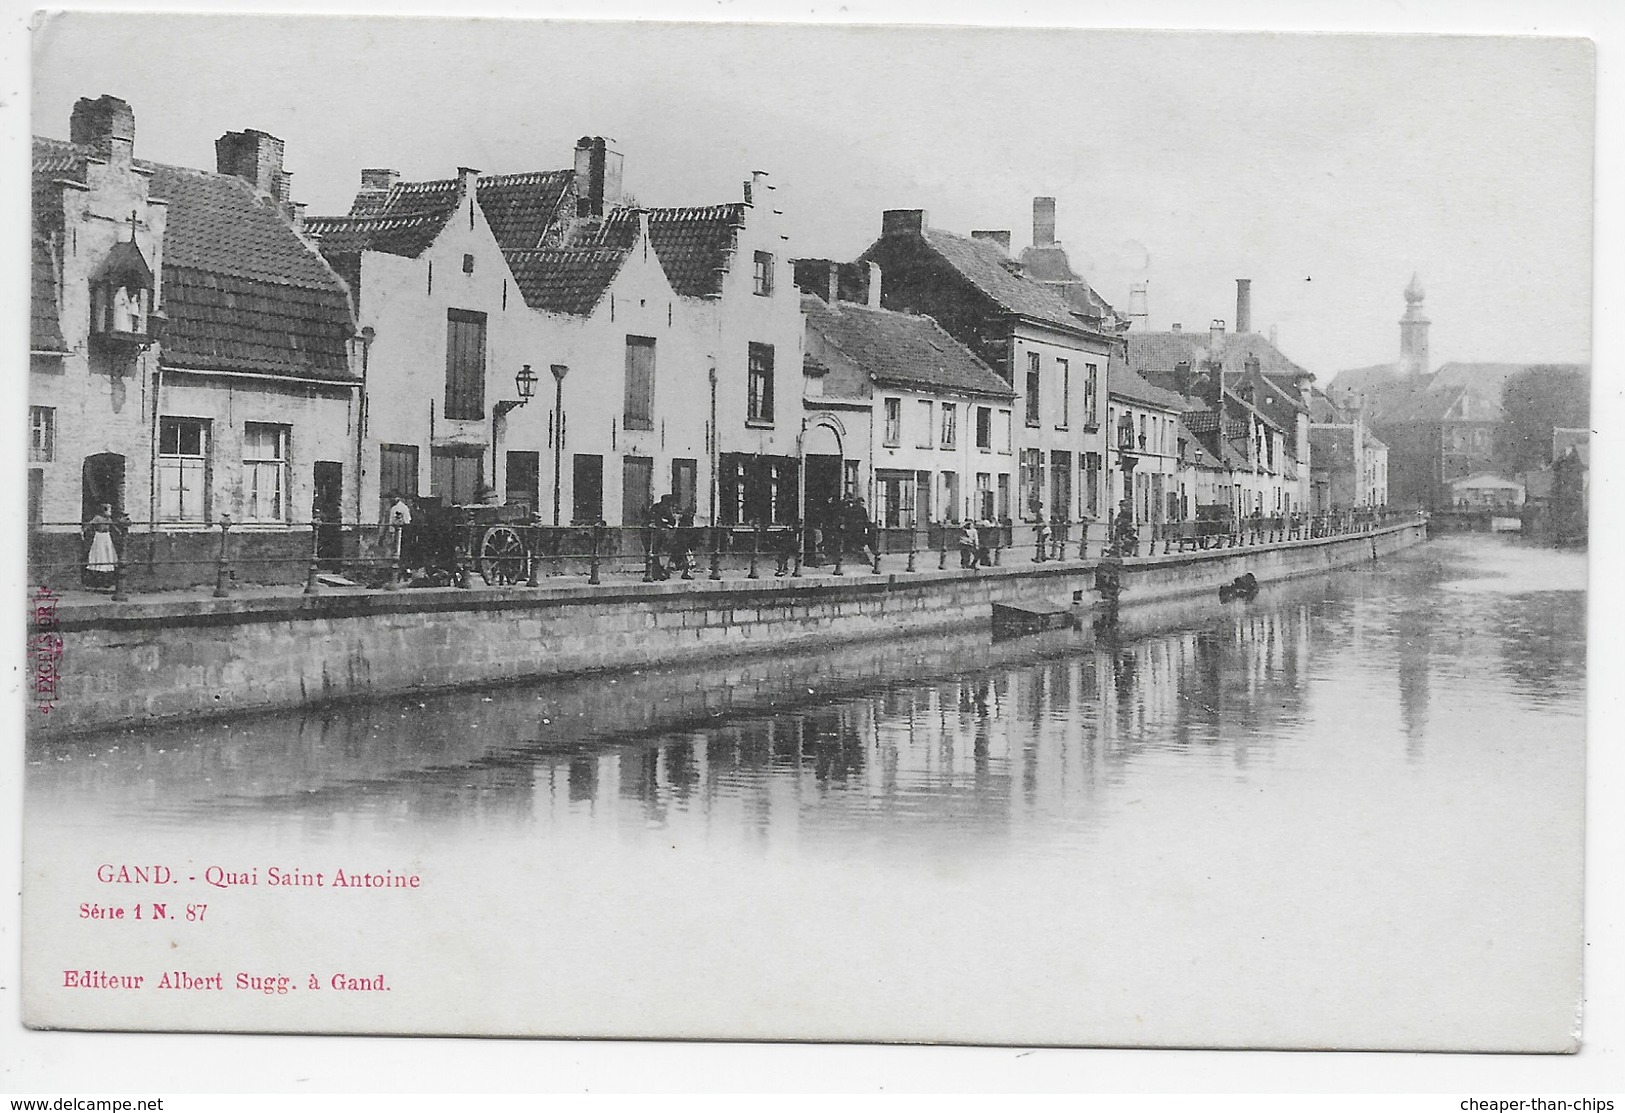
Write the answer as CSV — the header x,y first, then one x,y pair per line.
x,y
164,659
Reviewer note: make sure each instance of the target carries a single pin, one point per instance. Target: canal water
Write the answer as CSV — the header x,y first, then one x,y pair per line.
x,y
1347,813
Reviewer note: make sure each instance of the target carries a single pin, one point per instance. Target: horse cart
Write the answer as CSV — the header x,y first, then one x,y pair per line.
x,y
444,540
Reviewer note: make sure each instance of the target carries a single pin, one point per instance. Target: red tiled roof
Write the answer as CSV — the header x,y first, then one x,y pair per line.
x,y
45,311
695,245
405,219
565,280
1050,265
242,290
902,349
988,268
1156,354
1125,382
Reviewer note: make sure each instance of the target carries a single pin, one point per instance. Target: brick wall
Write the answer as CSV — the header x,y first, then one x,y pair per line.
x,y
141,661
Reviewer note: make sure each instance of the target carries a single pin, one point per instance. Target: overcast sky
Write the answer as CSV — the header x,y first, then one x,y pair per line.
x,y
1325,168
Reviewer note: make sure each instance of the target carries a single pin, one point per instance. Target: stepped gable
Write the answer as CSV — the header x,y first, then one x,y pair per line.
x,y
565,280
989,269
902,349
406,218
241,289
695,245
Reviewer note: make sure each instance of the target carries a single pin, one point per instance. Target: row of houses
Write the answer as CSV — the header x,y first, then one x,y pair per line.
x,y
203,351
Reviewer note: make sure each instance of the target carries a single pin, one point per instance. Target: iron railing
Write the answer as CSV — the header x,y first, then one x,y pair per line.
x,y
154,556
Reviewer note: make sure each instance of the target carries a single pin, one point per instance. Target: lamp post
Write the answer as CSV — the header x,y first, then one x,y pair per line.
x,y
559,371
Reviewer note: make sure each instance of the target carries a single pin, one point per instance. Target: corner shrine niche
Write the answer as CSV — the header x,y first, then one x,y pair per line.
x,y
121,298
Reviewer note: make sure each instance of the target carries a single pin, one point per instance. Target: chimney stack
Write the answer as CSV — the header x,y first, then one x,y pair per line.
x,y
1138,315
1244,306
597,176
898,222
1000,237
379,180
255,157
1043,221
834,282
873,298
106,125
1215,334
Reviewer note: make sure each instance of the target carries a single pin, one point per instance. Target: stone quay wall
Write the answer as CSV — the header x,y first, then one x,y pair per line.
x,y
135,662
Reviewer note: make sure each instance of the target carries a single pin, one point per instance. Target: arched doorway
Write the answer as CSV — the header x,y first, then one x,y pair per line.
x,y
823,471
102,481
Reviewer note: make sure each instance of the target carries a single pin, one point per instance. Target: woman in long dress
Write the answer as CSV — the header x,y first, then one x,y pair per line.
x,y
102,561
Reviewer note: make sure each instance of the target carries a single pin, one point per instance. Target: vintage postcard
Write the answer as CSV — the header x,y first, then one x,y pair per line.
x,y
807,532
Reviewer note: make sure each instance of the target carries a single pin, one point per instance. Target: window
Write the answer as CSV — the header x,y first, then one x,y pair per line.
x,y
638,410
1032,482
637,490
1066,393
764,274
984,428
522,480
893,434
183,460
1143,442
42,434
465,365
265,473
1091,384
1004,496
896,492
950,496
456,474
1032,388
950,425
397,474
1091,483
468,264
984,494
1005,437
761,384
587,489
1060,474
928,427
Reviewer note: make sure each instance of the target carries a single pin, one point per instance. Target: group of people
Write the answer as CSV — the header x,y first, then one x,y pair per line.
x,y
675,540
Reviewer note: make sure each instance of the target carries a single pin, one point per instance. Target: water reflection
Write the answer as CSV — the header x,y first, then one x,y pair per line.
x,y
951,736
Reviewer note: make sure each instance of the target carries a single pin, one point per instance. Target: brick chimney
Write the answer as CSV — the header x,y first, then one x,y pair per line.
x,y
106,125
1043,221
1001,237
900,222
874,285
1138,313
256,157
598,176
1244,306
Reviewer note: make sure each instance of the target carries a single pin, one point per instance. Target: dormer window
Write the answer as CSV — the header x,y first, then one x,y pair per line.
x,y
121,296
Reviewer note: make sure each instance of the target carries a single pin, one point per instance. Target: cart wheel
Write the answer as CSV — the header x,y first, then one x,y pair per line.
x,y
502,556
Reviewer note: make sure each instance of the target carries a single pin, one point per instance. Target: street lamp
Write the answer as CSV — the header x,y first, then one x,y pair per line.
x,y
525,382
559,371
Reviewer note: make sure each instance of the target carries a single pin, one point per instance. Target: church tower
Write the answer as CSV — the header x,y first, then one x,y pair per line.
x,y
1413,333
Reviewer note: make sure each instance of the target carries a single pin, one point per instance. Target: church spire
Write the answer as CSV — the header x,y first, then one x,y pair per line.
x,y
1413,332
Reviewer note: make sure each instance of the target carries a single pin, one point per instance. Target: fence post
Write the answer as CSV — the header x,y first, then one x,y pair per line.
x,y
649,554
795,558
755,549
119,594
942,544
1083,540
998,545
221,578
840,548
311,586
880,547
716,552
1038,542
597,542
532,554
